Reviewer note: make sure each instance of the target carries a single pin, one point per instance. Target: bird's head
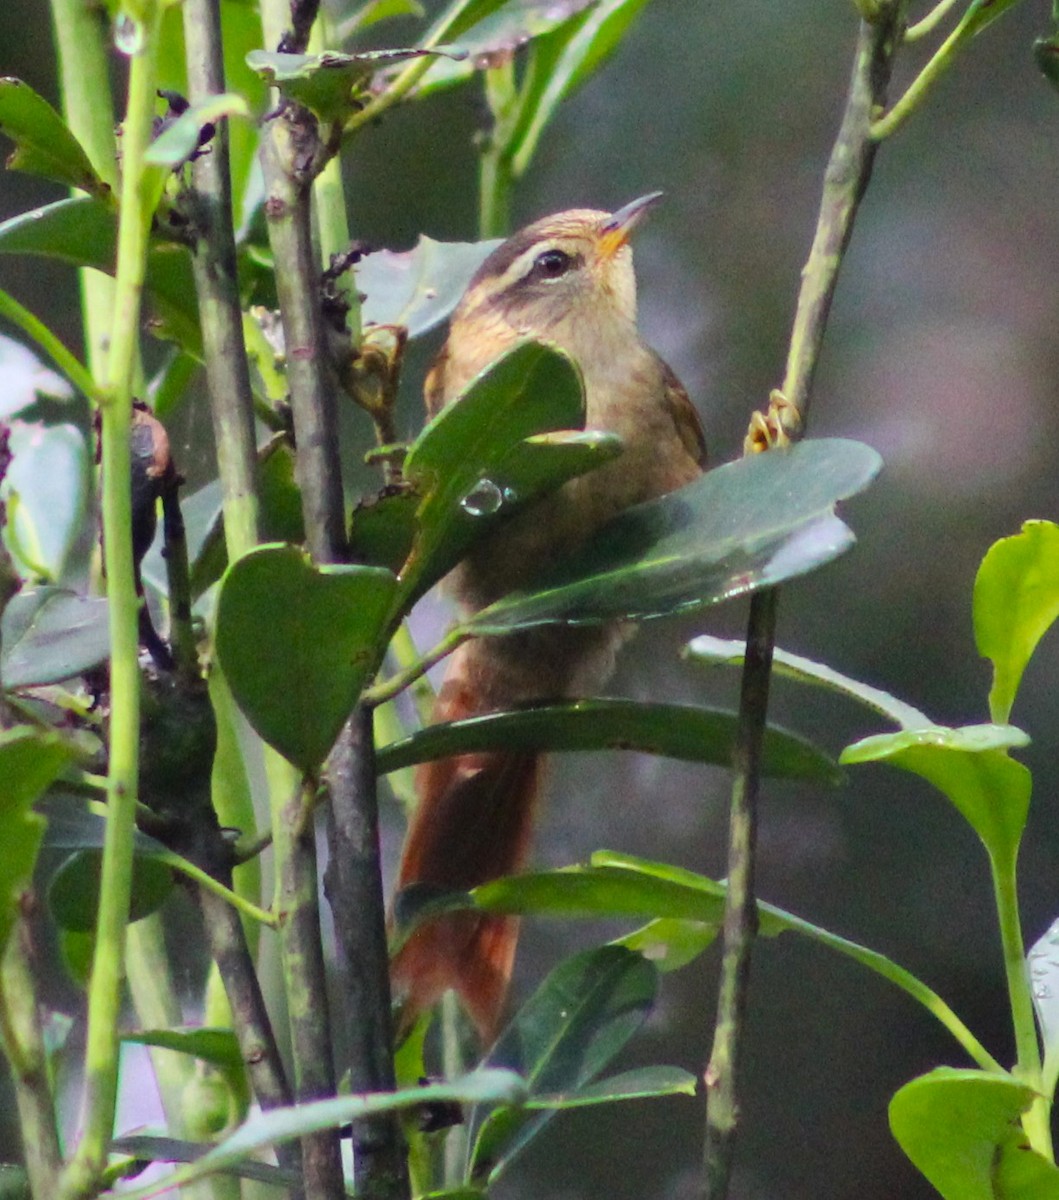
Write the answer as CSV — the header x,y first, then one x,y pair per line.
x,y
567,278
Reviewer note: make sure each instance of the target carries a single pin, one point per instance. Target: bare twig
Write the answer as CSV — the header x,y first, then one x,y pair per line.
x,y
353,882
845,181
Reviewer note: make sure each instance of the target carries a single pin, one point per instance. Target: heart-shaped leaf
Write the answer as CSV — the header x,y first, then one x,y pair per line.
x,y
959,1128
44,144
749,524
297,642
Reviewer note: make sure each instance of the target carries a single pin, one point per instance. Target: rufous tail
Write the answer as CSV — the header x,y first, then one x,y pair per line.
x,y
473,823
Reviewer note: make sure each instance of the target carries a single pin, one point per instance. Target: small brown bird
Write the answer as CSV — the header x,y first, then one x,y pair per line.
x,y
568,280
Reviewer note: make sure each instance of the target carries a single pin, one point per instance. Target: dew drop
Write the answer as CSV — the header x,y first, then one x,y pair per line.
x,y
129,36
483,500
1042,991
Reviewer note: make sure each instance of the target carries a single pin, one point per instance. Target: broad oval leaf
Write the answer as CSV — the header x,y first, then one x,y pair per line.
x,y
50,634
484,1086
83,233
746,525
958,1125
971,766
1016,600
457,464
418,288
714,651
673,730
73,891
44,144
46,488
297,643
29,761
561,1039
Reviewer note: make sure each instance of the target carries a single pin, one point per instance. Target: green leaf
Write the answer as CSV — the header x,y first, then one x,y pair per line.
x,y
675,731
375,11
562,63
460,16
1016,599
219,1047
297,642
957,1126
328,84
150,1148
643,1083
748,524
418,288
83,233
49,634
561,1039
669,942
73,891
26,379
457,463
621,885
972,767
284,1124
713,651
179,141
279,517
46,488
30,760
498,35
1042,962
44,144
383,528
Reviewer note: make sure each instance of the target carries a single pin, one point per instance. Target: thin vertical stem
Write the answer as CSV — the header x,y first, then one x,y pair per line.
x,y
105,985
227,369
298,912
845,181
88,110
740,909
354,887
23,1045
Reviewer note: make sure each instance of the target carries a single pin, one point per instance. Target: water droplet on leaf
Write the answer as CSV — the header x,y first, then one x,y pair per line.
x,y
483,500
129,35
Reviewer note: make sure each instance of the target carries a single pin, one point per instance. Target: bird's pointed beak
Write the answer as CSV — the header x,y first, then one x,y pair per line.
x,y
618,227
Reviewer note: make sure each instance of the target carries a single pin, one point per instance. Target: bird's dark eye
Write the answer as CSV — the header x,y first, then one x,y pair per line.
x,y
550,264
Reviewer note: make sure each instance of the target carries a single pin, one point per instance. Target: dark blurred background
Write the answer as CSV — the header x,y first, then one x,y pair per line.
x,y
941,354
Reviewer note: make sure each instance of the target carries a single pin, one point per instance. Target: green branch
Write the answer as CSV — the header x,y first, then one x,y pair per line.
x,y
105,985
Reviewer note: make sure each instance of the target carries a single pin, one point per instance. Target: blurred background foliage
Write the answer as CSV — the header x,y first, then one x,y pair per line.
x,y
942,354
